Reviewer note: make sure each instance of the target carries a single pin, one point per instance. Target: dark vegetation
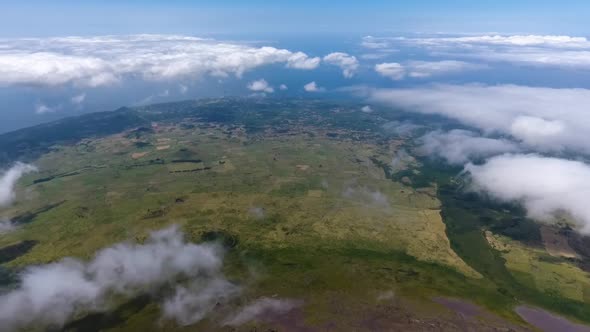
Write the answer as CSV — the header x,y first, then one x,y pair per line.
x,y
14,251
28,217
467,215
101,321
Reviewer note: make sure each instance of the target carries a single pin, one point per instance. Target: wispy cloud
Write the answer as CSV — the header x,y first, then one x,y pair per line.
x,y
457,146
534,50
424,69
8,180
261,307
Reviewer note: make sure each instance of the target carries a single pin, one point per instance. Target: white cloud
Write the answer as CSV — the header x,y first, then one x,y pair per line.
x,y
191,304
79,99
260,86
52,294
8,180
374,43
544,185
105,60
459,146
366,109
348,63
544,119
283,87
43,109
392,70
300,60
534,50
259,308
423,69
512,40
365,196
312,87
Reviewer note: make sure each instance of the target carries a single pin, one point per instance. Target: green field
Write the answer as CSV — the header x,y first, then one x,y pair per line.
x,y
304,199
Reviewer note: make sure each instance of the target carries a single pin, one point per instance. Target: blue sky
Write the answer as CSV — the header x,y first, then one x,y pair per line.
x,y
42,18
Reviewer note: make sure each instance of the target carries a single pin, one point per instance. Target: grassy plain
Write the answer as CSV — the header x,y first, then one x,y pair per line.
x,y
314,210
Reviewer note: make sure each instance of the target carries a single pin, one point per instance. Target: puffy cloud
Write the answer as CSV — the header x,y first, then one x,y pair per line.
x,y
283,87
459,146
544,185
8,180
348,63
260,86
99,61
52,294
392,70
545,119
300,60
423,69
312,87
260,307
366,109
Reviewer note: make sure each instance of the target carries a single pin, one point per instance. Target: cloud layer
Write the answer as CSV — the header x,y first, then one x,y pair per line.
x,y
543,185
99,61
423,69
544,119
52,294
533,50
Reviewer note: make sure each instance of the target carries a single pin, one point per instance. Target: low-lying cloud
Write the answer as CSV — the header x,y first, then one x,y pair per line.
x,y
372,198
6,226
105,60
54,293
260,85
458,146
543,119
348,63
8,180
544,185
194,302
261,307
